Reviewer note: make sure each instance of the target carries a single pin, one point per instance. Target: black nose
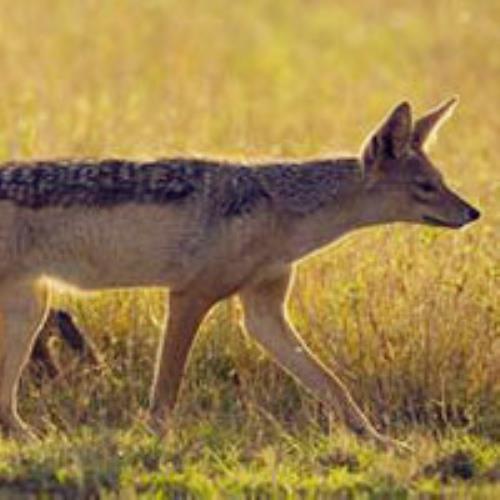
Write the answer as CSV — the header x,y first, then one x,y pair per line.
x,y
473,214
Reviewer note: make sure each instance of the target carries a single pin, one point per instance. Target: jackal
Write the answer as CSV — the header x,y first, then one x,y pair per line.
x,y
206,230
44,359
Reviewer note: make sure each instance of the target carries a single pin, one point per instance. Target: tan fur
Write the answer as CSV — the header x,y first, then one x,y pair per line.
x,y
240,232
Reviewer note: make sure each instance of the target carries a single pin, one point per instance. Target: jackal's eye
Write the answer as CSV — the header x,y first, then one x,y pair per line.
x,y
426,186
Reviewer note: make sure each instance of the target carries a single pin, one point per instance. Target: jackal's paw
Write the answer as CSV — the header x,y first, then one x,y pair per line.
x,y
368,432
157,424
387,443
14,428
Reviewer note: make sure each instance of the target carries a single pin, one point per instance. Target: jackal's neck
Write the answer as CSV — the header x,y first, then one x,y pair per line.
x,y
320,201
302,189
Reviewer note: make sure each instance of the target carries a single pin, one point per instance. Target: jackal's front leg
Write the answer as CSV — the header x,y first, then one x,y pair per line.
x,y
265,319
186,311
22,309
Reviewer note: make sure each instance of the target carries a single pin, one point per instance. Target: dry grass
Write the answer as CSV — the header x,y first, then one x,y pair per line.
x,y
408,316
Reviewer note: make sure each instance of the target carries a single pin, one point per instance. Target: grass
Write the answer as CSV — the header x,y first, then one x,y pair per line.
x,y
214,462
409,317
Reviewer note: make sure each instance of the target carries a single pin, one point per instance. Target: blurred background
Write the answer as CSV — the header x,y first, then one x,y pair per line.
x,y
409,317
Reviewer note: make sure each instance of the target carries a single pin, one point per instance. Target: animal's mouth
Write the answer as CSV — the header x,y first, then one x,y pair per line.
x,y
433,221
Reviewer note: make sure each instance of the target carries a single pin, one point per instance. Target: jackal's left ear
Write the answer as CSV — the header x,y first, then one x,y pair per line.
x,y
429,123
391,139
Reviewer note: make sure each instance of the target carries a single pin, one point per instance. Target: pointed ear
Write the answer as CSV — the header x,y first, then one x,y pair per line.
x,y
391,139
429,123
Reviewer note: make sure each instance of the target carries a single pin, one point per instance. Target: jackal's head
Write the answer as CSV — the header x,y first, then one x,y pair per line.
x,y
408,185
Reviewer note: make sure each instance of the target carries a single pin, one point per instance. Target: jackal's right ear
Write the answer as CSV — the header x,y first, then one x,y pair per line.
x,y
390,139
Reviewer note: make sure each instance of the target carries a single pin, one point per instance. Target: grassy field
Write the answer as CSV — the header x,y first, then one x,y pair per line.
x,y
409,317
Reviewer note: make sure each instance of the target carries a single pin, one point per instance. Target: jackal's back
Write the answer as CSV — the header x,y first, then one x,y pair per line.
x,y
108,183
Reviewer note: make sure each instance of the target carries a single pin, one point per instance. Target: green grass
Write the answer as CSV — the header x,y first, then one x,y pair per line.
x,y
218,462
409,317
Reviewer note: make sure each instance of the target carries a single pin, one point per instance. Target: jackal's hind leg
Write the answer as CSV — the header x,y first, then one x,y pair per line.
x,y
22,307
186,311
76,339
44,359
265,319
